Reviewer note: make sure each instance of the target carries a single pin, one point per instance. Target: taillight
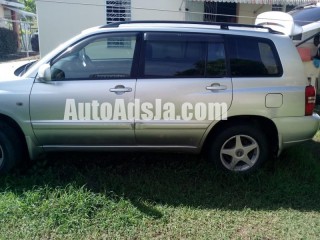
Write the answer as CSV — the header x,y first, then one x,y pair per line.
x,y
310,100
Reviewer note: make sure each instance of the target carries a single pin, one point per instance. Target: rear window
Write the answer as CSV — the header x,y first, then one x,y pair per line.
x,y
174,59
184,55
305,16
253,57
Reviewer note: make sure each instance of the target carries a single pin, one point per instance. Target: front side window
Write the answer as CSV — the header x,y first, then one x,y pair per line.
x,y
179,55
95,59
253,57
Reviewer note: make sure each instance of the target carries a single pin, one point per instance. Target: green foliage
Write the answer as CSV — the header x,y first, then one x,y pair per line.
x,y
151,196
30,5
8,41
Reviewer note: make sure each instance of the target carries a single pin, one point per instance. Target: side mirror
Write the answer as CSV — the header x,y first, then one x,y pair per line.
x,y
44,73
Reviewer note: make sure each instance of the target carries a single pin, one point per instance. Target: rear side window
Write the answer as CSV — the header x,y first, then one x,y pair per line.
x,y
183,55
253,57
216,63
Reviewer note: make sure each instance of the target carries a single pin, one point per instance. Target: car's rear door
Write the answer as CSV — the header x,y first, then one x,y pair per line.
x,y
187,72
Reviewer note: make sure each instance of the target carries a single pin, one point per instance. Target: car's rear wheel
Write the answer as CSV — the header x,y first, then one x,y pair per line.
x,y
11,148
240,149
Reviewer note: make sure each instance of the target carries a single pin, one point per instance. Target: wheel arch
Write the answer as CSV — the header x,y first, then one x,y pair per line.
x,y
15,125
265,124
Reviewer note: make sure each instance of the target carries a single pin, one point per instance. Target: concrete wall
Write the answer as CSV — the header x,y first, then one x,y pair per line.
x,y
247,12
60,21
158,10
1,11
2,23
251,11
194,11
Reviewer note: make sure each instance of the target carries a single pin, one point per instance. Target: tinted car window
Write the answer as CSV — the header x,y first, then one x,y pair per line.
x,y
108,57
253,57
306,15
216,65
174,59
178,55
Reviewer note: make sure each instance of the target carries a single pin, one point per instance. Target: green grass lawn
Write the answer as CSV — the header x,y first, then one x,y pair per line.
x,y
162,196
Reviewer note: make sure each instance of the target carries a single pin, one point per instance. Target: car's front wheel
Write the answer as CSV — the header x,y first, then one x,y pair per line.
x,y
240,149
11,148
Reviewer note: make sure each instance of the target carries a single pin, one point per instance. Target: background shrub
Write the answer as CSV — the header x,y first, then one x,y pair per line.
x,y
8,41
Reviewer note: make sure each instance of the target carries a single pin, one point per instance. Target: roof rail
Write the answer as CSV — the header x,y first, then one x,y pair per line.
x,y
223,25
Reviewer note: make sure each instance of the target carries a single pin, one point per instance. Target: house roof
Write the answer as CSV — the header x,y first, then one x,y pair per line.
x,y
23,13
17,7
14,4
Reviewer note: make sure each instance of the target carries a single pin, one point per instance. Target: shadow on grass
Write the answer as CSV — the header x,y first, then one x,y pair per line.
x,y
290,182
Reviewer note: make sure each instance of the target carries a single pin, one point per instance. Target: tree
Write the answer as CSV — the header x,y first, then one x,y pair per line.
x,y
30,5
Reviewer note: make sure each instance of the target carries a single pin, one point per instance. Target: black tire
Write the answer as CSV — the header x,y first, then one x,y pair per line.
x,y
11,148
247,157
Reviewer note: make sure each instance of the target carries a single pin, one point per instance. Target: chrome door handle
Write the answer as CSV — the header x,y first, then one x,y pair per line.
x,y
117,90
120,89
216,86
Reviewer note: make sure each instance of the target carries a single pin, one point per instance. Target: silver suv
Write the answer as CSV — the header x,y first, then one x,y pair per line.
x,y
237,91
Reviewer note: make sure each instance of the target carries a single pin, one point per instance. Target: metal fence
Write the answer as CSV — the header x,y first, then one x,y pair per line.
x,y
26,30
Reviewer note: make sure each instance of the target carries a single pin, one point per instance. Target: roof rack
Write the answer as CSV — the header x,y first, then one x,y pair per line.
x,y
224,26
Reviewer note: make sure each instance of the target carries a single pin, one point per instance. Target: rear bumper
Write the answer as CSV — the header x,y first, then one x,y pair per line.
x,y
293,130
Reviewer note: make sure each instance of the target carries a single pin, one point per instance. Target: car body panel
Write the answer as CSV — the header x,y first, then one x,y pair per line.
x,y
44,125
8,70
290,134
48,105
179,91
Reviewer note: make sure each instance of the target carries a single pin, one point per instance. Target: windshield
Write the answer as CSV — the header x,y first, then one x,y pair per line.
x,y
21,70
306,15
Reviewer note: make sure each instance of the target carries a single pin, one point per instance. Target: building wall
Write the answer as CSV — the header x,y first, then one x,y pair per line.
x,y
247,12
1,11
60,21
251,11
194,11
1,16
158,10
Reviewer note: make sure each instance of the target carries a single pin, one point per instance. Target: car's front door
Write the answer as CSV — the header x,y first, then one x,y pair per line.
x,y
76,108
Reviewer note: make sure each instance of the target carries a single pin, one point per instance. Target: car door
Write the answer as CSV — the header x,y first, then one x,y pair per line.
x,y
187,72
75,108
